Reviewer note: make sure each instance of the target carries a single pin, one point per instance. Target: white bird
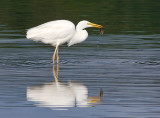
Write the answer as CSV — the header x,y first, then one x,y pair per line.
x,y
59,32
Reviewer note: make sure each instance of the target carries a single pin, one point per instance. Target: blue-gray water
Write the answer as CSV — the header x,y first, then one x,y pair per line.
x,y
124,62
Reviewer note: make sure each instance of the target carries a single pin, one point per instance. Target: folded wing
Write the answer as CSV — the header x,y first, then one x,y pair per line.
x,y
53,32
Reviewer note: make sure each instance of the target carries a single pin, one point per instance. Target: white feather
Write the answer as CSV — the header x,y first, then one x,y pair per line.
x,y
54,32
78,37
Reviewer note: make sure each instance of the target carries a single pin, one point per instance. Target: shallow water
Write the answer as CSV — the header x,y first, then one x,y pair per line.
x,y
124,63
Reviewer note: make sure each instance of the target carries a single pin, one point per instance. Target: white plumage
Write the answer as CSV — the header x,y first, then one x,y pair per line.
x,y
53,32
60,31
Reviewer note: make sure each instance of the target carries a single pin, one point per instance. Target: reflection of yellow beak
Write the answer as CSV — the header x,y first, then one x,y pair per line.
x,y
95,25
94,100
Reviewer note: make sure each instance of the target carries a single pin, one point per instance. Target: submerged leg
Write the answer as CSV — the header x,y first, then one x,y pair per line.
x,y
57,71
54,73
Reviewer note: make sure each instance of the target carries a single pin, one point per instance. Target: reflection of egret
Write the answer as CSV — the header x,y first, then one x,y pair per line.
x,y
60,31
56,94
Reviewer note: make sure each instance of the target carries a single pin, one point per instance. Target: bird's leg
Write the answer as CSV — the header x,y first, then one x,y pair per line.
x,y
57,55
55,74
54,54
57,62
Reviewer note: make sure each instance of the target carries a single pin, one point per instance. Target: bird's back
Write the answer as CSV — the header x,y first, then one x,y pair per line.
x,y
53,32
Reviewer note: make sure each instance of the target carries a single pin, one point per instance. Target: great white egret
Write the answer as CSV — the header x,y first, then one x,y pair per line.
x,y
61,31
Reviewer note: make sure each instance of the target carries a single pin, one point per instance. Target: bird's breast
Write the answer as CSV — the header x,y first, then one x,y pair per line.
x,y
78,37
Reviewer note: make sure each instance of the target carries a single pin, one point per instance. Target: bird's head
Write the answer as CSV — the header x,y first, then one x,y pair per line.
x,y
85,24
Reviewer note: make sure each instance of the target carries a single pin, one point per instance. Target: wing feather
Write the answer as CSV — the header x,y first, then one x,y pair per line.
x,y
53,32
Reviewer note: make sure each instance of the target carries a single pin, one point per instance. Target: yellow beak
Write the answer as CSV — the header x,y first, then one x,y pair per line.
x,y
95,25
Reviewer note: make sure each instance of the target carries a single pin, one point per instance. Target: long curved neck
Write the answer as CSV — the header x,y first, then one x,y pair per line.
x,y
79,36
